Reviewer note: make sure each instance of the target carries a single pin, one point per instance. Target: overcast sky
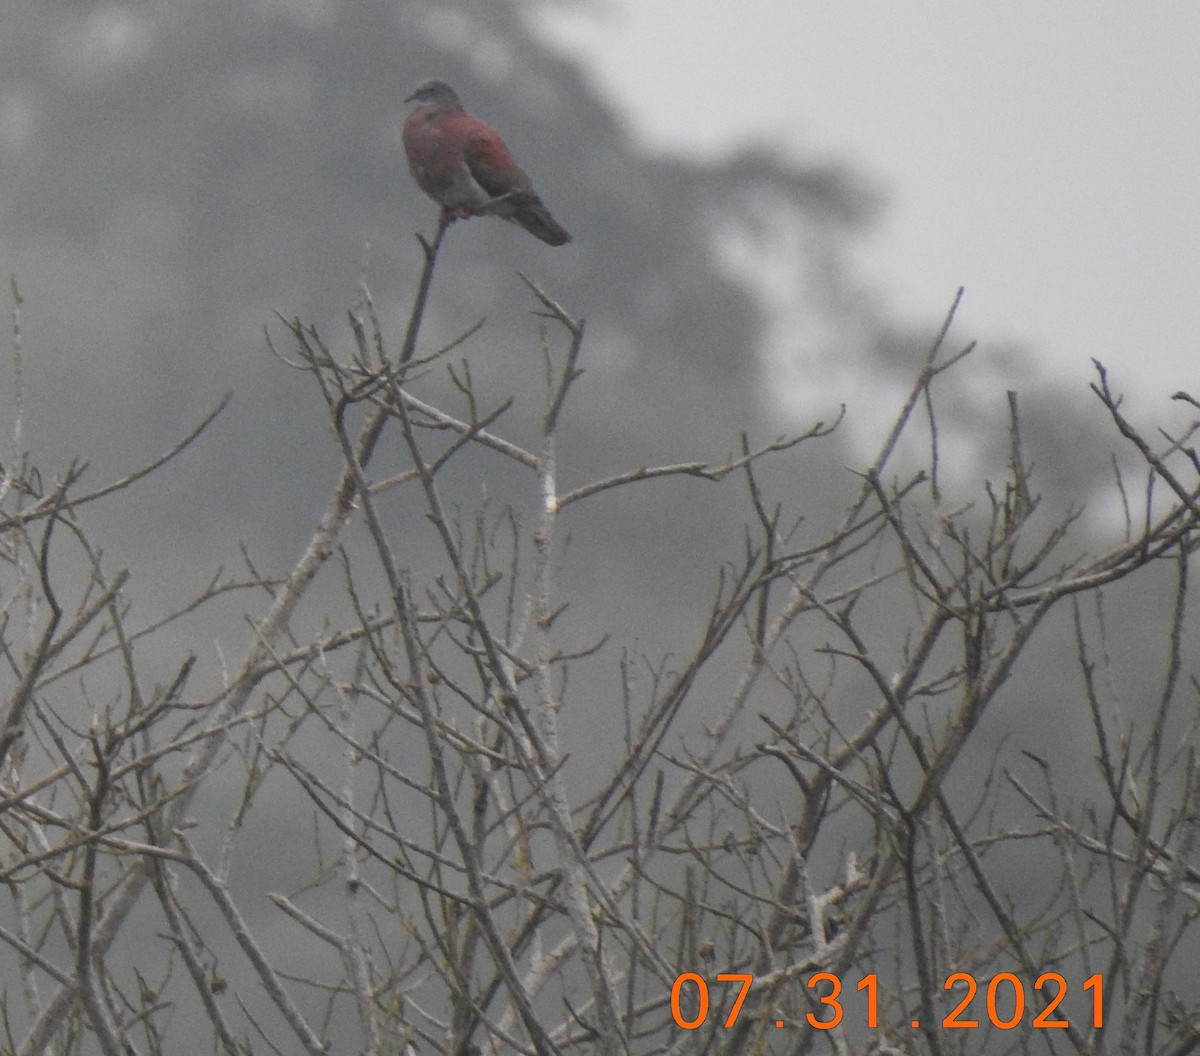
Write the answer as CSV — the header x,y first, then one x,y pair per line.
x,y
1045,155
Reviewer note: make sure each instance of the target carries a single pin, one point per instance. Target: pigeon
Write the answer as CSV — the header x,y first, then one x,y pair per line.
x,y
464,165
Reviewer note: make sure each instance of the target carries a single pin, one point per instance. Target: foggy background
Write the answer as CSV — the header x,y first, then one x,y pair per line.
x,y
745,253
771,214
1039,154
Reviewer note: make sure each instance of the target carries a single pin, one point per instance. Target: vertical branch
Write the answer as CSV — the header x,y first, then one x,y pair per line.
x,y
430,249
611,1040
85,976
9,477
353,948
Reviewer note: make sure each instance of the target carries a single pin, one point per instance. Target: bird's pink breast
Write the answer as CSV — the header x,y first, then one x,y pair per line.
x,y
447,150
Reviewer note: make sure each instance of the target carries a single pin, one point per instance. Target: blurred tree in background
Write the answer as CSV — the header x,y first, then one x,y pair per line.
x,y
430,692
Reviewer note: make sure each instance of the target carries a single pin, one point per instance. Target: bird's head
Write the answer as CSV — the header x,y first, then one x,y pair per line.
x,y
435,93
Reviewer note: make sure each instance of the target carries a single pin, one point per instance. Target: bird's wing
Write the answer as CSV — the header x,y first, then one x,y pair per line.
x,y
490,163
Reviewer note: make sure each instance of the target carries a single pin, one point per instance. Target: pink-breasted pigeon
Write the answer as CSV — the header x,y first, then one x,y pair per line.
x,y
464,166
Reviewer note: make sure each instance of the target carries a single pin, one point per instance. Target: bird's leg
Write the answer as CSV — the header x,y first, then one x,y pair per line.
x,y
448,215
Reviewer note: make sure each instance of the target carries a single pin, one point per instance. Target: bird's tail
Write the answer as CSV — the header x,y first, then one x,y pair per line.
x,y
529,211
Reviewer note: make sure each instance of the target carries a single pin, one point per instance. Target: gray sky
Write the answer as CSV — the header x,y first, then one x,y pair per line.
x,y
1043,155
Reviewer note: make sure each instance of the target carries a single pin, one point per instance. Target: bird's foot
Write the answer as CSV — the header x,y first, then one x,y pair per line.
x,y
448,215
